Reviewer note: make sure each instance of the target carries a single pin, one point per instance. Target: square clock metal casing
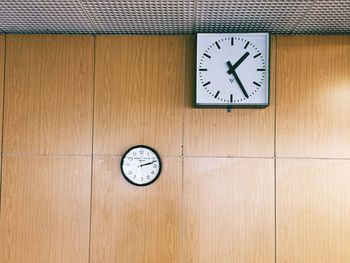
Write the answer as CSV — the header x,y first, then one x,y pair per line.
x,y
232,70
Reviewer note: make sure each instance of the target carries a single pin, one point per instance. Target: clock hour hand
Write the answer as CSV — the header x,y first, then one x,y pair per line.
x,y
233,67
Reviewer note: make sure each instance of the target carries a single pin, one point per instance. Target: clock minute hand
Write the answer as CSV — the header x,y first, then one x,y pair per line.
x,y
144,164
240,84
233,68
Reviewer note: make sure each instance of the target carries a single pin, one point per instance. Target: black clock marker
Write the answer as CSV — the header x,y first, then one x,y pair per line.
x,y
205,54
257,55
206,84
217,44
260,69
246,45
231,98
202,69
257,84
232,41
217,94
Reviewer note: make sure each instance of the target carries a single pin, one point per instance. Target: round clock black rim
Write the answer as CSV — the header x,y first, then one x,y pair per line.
x,y
152,150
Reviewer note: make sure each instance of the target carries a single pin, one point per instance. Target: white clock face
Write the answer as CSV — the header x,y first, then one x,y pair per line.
x,y
232,69
141,165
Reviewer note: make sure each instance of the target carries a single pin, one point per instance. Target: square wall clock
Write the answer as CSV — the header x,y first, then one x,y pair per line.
x,y
232,70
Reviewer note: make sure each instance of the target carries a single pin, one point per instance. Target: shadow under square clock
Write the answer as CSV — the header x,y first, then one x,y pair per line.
x,y
232,70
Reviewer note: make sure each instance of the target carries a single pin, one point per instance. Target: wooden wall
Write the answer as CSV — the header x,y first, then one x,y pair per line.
x,y
252,185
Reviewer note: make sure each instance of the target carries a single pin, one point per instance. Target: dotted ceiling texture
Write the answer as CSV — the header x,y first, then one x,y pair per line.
x,y
175,16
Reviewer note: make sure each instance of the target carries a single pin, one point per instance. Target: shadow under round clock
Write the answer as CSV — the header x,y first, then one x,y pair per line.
x,y
232,70
141,165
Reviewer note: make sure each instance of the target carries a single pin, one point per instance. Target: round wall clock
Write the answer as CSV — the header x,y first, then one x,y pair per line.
x,y
141,165
233,70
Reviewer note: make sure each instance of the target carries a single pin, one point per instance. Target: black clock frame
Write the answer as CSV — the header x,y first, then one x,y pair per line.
x,y
152,150
230,106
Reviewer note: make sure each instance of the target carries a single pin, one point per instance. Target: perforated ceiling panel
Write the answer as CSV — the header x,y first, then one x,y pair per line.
x,y
326,16
175,16
250,15
43,16
142,17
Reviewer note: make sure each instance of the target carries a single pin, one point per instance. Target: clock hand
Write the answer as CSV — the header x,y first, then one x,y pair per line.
x,y
144,164
230,67
237,78
233,68
240,84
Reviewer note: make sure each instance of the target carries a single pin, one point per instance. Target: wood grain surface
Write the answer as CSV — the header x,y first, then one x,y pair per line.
x,y
2,76
45,210
131,223
49,89
313,94
139,93
313,211
216,132
228,210
204,208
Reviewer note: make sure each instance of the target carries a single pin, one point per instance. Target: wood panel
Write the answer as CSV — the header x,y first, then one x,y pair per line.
x,y
45,209
228,210
2,64
139,93
2,77
313,95
49,89
135,224
313,211
216,132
